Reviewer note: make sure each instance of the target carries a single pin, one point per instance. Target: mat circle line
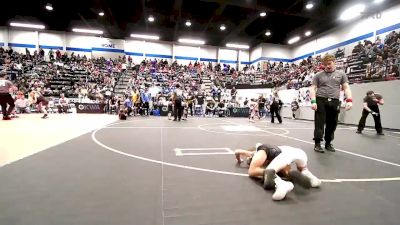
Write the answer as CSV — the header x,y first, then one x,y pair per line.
x,y
95,140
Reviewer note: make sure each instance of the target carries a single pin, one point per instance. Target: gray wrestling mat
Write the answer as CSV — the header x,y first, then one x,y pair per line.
x,y
154,171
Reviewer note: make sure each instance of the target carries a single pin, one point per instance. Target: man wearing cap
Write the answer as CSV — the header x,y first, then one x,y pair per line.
x,y
371,102
324,93
5,98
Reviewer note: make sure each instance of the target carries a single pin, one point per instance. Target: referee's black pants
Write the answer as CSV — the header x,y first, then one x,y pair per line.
x,y
275,110
326,116
6,98
377,119
178,110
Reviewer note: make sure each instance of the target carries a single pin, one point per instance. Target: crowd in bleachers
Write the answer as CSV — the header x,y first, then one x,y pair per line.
x,y
74,76
377,60
94,79
369,61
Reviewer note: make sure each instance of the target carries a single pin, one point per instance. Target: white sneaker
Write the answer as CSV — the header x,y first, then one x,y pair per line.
x,y
281,189
315,182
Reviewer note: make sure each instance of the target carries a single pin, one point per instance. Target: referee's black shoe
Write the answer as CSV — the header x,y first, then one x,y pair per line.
x,y
329,147
318,148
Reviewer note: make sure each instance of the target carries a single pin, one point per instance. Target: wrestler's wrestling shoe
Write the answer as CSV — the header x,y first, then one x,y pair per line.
x,y
269,179
281,189
315,182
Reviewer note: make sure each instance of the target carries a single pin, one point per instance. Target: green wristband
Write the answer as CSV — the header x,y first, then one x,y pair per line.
x,y
313,101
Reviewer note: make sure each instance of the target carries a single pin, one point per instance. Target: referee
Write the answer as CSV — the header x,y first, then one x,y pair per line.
x,y
5,97
324,93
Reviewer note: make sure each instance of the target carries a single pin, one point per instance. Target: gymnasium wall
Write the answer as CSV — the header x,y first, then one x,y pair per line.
x,y
94,46
345,37
349,34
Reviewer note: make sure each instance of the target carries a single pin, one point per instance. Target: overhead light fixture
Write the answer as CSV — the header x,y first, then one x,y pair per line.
x,y
268,33
352,12
262,14
191,41
145,36
309,5
27,25
151,19
294,40
307,33
89,31
231,45
49,7
188,23
222,27
101,13
378,1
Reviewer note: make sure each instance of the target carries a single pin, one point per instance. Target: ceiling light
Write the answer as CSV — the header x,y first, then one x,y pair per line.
x,y
294,40
222,27
308,33
101,13
27,25
268,33
309,5
352,12
89,31
151,19
145,36
231,45
262,14
378,1
49,7
191,41
188,23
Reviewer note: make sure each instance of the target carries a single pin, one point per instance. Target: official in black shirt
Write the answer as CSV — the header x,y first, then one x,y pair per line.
x,y
261,106
274,108
371,102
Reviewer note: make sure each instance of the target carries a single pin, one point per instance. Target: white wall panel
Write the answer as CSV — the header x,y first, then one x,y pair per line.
x,y
19,40
158,48
108,48
80,44
228,57
51,39
208,52
186,54
3,36
135,49
244,57
255,53
305,49
276,52
228,54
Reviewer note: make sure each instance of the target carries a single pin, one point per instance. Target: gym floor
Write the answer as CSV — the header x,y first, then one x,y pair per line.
x,y
155,171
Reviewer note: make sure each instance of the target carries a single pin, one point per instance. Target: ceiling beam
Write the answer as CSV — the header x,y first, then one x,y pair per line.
x,y
177,9
293,5
218,12
243,25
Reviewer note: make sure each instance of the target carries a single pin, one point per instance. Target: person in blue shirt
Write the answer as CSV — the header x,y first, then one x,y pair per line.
x,y
146,97
128,105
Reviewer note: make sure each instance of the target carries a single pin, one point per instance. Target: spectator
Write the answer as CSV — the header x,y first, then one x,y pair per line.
x,y
63,104
22,104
